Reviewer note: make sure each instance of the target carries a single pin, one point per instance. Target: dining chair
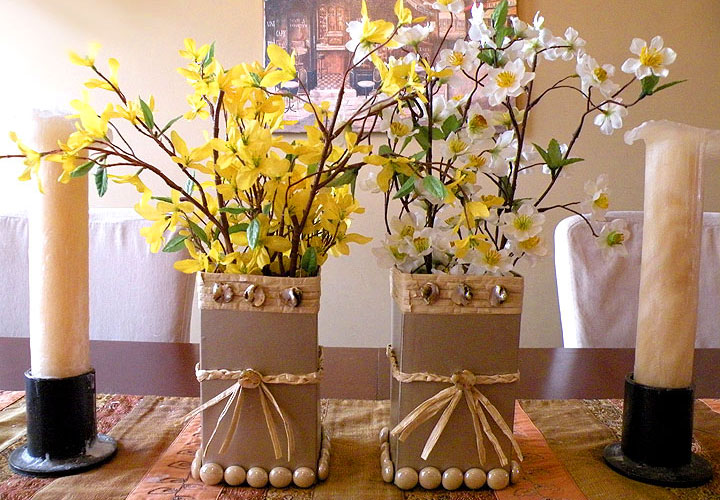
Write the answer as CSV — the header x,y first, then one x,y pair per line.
x,y
598,295
135,295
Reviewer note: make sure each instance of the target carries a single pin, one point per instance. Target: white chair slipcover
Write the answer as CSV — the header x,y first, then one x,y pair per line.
x,y
598,296
135,295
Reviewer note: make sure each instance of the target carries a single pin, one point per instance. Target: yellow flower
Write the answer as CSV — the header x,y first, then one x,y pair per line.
x,y
102,84
471,242
31,162
187,158
192,52
341,243
284,62
89,59
403,14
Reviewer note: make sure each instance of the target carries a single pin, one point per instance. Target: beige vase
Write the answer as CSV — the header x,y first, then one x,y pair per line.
x,y
455,369
259,347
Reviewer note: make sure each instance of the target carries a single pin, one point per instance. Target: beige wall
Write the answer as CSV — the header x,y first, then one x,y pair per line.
x,y
145,37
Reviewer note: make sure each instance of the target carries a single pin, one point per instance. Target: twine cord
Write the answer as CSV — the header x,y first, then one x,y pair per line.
x,y
249,379
463,383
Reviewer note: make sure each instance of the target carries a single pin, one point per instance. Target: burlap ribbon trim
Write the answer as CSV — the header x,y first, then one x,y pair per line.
x,y
250,379
463,384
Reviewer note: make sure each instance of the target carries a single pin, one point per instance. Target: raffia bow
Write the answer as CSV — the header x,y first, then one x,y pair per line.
x,y
250,379
463,384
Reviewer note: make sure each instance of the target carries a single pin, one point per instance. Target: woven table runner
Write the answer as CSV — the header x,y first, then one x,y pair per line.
x,y
562,442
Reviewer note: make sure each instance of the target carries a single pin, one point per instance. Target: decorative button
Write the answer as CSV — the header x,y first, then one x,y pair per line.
x,y
235,475
452,478
304,477
498,295
291,296
498,479
280,477
462,295
257,477
211,474
429,292
406,478
475,478
223,292
430,478
255,295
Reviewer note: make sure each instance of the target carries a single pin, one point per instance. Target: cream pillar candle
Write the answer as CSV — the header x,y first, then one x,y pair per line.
x,y
58,256
672,227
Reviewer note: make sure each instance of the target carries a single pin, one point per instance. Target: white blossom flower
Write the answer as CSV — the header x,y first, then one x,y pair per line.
x,y
388,255
507,81
414,35
532,248
442,108
611,117
369,184
612,238
569,47
420,244
492,261
462,57
396,127
454,6
456,145
356,43
652,59
406,226
479,31
593,75
504,150
597,202
523,224
478,122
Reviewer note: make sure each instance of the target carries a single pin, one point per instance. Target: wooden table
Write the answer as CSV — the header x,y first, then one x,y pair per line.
x,y
167,369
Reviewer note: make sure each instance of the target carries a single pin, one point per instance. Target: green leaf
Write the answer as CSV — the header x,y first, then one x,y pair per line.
x,y
234,210
238,228
346,177
648,85
101,181
255,78
422,138
253,233
450,125
570,161
309,261
419,155
198,232
209,56
176,244
385,150
82,170
166,199
311,169
667,86
266,209
499,15
147,114
407,188
435,187
405,143
488,57
170,124
437,134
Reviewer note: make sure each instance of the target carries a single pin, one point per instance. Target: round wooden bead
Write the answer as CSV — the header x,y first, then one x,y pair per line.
x,y
235,475
323,471
475,478
384,435
257,477
498,479
515,472
211,474
430,478
304,477
388,472
452,478
406,478
195,469
280,477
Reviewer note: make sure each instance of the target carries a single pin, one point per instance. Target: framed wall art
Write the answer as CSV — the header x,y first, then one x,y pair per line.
x,y
316,31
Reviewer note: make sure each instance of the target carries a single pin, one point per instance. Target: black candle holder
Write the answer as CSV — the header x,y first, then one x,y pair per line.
x,y
656,446
62,437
